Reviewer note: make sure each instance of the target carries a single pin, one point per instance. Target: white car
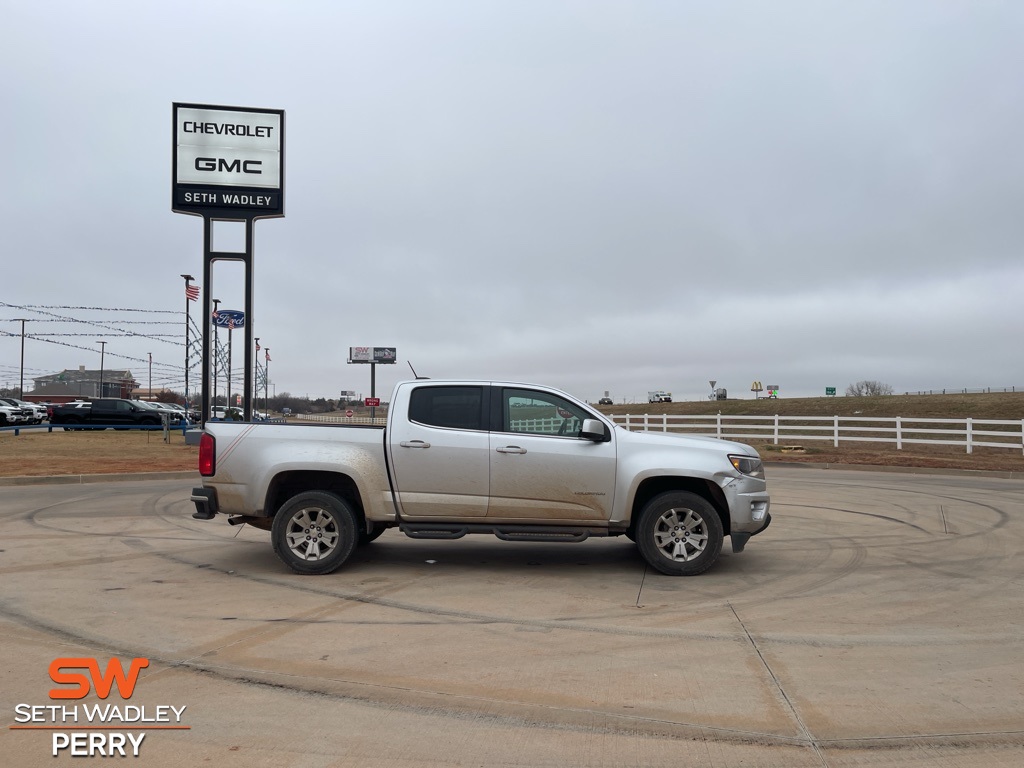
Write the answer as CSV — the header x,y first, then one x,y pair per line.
x,y
39,414
11,415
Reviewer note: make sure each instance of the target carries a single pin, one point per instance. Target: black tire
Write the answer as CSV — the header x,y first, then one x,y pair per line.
x,y
314,532
679,533
365,538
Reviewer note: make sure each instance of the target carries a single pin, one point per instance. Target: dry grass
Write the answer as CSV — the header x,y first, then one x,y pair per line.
x,y
41,453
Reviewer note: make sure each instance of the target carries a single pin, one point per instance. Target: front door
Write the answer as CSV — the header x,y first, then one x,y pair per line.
x,y
541,470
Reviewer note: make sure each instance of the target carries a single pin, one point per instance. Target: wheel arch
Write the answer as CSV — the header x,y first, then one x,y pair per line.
x,y
288,484
655,486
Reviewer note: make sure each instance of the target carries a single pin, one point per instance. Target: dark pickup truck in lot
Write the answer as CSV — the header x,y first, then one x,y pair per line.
x,y
109,412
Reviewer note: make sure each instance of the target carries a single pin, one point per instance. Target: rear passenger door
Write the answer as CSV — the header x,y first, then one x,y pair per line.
x,y
439,452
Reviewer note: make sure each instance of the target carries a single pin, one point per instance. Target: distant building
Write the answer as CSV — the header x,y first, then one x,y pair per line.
x,y
72,384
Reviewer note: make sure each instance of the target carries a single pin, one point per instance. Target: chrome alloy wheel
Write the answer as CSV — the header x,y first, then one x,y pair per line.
x,y
312,533
681,534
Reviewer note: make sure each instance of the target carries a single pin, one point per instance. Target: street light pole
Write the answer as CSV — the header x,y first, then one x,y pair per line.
x,y
188,279
103,349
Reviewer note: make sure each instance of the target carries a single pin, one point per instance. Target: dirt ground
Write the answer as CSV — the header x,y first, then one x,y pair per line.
x,y
41,453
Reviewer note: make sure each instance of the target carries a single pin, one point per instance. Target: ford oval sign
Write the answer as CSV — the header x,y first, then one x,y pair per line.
x,y
229,318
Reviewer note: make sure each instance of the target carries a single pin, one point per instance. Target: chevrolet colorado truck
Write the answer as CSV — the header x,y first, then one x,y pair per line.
x,y
519,461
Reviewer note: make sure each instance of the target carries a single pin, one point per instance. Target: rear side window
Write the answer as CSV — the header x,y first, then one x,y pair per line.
x,y
452,407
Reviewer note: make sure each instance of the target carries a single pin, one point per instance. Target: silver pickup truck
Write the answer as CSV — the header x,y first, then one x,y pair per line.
x,y
519,461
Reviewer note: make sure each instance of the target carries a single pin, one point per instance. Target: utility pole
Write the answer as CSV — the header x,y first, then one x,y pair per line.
x,y
231,327
150,376
103,349
21,383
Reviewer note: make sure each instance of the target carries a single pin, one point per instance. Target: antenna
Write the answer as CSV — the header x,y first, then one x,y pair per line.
x,y
415,375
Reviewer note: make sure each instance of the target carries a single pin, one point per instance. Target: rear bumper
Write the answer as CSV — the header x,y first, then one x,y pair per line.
x,y
205,500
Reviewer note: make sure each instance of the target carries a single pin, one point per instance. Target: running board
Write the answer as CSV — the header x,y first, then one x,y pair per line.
x,y
503,532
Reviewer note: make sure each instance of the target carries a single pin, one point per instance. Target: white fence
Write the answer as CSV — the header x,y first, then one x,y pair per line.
x,y
320,418
969,433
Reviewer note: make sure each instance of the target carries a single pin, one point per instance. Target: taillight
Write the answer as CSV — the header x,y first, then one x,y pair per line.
x,y
207,453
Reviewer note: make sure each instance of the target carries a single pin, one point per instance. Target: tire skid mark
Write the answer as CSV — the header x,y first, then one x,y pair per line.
x,y
498,711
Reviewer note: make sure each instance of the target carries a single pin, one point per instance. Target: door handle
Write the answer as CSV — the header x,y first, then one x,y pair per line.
x,y
414,444
510,449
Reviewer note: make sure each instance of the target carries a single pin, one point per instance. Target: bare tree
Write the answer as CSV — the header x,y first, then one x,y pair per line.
x,y
868,389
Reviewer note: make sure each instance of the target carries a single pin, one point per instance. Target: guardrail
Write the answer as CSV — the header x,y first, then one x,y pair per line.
x,y
968,432
18,428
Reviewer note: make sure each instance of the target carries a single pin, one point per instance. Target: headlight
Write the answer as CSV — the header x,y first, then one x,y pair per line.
x,y
748,465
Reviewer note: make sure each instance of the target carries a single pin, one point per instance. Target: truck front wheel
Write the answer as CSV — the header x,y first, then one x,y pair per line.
x,y
314,532
679,534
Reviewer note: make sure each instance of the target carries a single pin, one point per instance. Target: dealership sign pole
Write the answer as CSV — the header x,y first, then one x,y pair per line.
x,y
227,165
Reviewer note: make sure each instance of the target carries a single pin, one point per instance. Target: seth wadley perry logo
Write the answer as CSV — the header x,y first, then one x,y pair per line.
x,y
101,729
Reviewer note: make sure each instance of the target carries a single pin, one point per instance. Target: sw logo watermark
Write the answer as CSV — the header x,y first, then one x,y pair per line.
x,y
82,729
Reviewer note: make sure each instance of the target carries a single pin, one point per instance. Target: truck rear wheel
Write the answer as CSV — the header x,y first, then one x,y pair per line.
x,y
679,533
314,532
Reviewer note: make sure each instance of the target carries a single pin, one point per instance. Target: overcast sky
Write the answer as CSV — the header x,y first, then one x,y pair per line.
x,y
619,196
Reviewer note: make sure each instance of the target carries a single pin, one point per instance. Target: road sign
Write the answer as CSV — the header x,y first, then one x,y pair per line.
x,y
371,402
830,391
350,413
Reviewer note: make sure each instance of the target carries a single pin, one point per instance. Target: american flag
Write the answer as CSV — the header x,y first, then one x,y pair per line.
x,y
231,323
257,346
192,292
268,355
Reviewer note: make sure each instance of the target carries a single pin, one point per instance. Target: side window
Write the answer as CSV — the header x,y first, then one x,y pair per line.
x,y
541,413
121,405
451,407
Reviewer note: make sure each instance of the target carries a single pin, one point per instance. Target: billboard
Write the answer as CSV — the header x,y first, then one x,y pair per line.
x,y
372,355
228,160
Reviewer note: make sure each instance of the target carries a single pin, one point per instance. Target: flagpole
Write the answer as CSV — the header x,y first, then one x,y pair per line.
x,y
255,380
216,350
188,279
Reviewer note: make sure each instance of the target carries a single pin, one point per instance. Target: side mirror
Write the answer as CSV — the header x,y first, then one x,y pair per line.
x,y
594,430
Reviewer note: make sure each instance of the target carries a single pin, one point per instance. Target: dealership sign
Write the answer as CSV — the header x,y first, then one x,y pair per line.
x,y
229,318
228,161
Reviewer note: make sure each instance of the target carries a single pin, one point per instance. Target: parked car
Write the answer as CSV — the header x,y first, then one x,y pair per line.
x,y
605,401
108,412
177,412
10,416
21,414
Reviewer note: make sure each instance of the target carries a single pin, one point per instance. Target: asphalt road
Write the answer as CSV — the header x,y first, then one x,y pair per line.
x,y
878,622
